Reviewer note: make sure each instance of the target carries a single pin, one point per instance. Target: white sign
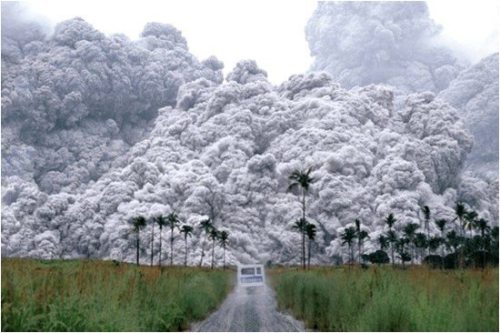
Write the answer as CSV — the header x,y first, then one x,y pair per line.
x,y
251,275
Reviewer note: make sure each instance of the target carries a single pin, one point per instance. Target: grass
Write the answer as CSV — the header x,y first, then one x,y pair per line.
x,y
387,299
79,295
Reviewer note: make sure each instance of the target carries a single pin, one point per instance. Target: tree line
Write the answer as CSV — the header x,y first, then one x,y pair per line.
x,y
465,241
172,222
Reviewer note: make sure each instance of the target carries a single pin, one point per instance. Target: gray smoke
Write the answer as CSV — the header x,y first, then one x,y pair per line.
x,y
475,93
395,43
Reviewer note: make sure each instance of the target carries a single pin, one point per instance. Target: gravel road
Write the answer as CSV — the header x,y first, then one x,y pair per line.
x,y
250,309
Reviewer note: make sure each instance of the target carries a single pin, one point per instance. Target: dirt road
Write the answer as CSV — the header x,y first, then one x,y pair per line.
x,y
250,309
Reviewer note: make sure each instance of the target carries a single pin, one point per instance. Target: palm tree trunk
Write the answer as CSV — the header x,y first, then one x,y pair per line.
x,y
171,246
213,254
352,256
152,241
159,262
224,251
137,247
392,254
308,254
359,252
303,231
186,248
202,253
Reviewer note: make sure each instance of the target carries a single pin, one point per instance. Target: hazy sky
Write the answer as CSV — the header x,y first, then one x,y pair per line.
x,y
271,32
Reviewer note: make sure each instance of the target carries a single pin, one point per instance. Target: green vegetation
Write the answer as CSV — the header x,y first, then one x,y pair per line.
x,y
472,250
78,295
302,179
387,299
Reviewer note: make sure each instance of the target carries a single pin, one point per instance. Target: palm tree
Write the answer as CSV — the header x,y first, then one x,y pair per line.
x,y
300,225
409,232
206,226
161,221
470,221
434,243
392,238
223,241
453,241
311,235
172,221
152,240
303,180
420,242
213,235
441,224
460,212
348,237
361,235
401,249
483,227
427,217
390,220
138,223
187,230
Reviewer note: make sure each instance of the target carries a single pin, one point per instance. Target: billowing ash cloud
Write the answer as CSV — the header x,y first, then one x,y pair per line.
x,y
475,93
395,43
225,151
98,129
76,100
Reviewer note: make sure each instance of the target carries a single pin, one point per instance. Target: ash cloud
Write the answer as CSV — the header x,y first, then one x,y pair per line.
x,y
97,129
76,100
475,93
226,151
395,43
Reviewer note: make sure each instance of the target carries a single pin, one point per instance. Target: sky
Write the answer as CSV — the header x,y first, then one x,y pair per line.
x,y
270,32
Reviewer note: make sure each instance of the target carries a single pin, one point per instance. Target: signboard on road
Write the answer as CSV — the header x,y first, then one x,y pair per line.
x,y
251,275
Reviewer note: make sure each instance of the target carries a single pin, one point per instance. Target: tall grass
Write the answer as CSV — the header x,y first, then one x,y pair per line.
x,y
386,299
105,296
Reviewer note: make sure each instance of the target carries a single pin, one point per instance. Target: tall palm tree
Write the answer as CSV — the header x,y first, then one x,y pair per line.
x,y
441,224
409,231
460,212
152,240
311,235
302,179
206,226
223,241
213,235
348,237
390,220
172,222
361,235
138,223
186,230
392,238
161,221
427,217
300,225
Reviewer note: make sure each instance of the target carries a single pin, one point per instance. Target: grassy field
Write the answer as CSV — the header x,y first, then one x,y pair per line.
x,y
386,299
81,295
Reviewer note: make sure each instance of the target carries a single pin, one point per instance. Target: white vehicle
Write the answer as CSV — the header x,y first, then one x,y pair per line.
x,y
251,275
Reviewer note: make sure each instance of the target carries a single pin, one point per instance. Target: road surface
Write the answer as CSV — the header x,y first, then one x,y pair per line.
x,y
249,309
